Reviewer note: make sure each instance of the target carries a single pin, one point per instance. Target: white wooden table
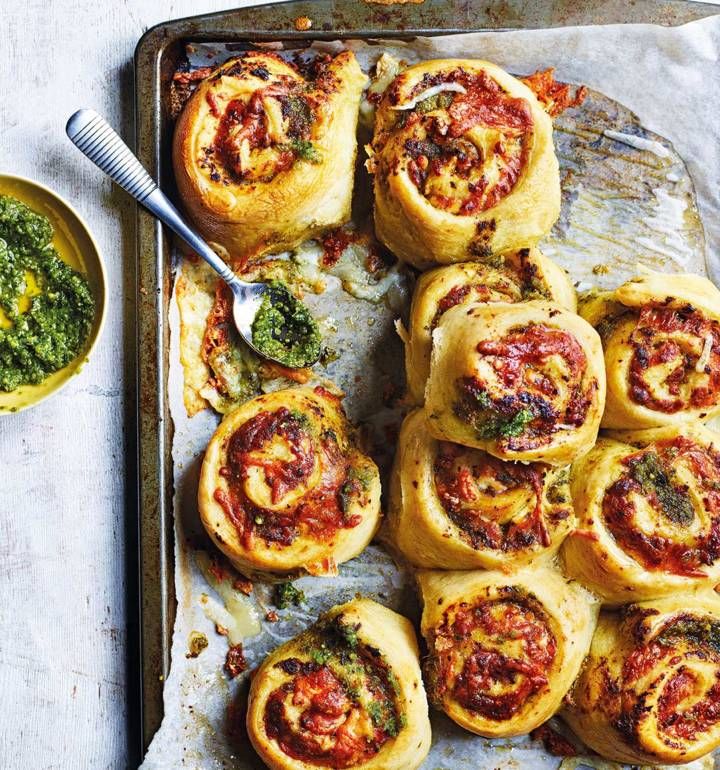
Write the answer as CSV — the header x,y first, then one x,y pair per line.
x,y
63,692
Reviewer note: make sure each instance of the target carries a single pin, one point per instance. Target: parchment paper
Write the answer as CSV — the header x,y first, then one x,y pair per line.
x,y
671,79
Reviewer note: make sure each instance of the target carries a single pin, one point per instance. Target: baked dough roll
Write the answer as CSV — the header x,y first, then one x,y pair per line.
x,y
523,382
649,692
264,154
661,335
464,164
503,650
452,507
648,508
284,489
346,693
523,275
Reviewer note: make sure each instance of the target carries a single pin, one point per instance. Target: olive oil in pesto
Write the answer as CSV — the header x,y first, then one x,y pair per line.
x,y
46,307
283,328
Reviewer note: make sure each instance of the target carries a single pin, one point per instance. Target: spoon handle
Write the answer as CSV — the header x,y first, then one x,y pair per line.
x,y
96,139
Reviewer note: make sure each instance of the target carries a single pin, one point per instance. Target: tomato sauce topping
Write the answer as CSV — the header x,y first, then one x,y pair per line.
x,y
687,705
449,165
494,657
554,96
651,475
470,486
532,405
319,511
675,339
335,713
334,244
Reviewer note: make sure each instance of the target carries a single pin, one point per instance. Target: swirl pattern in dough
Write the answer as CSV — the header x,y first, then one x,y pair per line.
x,y
503,650
264,153
648,507
284,489
347,693
453,507
661,336
464,164
649,692
522,382
523,275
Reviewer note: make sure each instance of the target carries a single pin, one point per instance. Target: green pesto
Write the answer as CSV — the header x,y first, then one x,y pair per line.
x,y
305,150
357,480
337,646
439,101
489,423
54,328
287,595
283,328
652,477
699,631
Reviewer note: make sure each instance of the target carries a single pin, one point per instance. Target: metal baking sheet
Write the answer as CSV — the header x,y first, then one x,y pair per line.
x,y
157,55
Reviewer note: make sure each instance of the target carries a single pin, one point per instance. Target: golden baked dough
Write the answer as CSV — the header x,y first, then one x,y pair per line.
x,y
264,155
452,507
650,687
464,164
347,693
523,382
283,488
661,335
523,275
648,507
503,650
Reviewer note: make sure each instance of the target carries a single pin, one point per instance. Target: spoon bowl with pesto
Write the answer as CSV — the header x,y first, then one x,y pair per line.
x,y
275,324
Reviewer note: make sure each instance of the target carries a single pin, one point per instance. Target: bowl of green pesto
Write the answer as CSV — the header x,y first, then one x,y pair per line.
x,y
52,293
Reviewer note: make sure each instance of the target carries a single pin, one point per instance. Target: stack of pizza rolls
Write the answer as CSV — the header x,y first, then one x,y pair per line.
x,y
508,385
562,570
647,499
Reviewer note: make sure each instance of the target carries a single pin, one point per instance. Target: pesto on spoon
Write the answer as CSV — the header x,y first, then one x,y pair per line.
x,y
286,334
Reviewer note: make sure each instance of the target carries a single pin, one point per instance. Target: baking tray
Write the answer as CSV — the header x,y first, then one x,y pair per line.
x,y
156,57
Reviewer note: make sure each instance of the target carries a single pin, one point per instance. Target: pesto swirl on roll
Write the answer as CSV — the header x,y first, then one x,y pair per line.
x,y
346,693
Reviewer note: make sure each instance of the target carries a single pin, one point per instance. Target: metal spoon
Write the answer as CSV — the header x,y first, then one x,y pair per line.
x,y
96,139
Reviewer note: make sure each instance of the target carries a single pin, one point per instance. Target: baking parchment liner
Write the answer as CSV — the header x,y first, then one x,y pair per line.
x,y
627,199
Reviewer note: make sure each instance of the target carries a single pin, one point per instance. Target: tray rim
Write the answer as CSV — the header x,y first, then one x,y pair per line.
x,y
149,653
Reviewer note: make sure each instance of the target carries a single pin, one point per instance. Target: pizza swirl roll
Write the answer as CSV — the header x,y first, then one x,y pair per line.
x,y
649,692
283,487
648,507
453,507
503,650
464,164
347,693
523,382
661,335
264,154
523,275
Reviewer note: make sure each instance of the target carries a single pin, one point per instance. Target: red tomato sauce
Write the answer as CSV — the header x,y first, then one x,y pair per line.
x,y
667,661
519,360
320,511
653,550
446,151
495,680
657,341
327,731
458,486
